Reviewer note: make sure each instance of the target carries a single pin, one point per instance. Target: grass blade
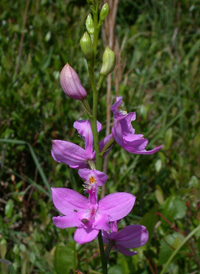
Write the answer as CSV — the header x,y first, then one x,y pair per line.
x,y
35,159
30,181
178,248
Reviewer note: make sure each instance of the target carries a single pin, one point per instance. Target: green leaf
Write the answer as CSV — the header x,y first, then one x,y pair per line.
x,y
122,261
3,248
35,159
149,220
192,51
193,183
64,259
158,165
167,246
195,66
174,208
197,229
10,266
11,269
47,36
168,138
115,270
47,59
159,195
9,208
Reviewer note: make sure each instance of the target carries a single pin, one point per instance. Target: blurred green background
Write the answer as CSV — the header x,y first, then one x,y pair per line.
x,y
161,82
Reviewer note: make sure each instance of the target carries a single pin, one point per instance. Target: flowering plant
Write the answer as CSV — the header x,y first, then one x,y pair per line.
x,y
92,217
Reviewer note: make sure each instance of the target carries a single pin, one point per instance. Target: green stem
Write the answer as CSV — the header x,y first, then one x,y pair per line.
x,y
101,78
96,32
87,107
178,248
108,249
93,117
103,258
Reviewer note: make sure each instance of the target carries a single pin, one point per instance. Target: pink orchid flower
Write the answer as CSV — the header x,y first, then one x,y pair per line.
x,y
124,133
74,155
131,236
89,215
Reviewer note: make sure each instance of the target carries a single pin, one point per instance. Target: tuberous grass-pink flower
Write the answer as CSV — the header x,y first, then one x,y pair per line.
x,y
131,236
73,155
124,134
89,215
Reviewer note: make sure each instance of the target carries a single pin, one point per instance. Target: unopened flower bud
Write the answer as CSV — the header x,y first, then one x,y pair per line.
x,y
86,45
109,59
89,24
104,13
71,83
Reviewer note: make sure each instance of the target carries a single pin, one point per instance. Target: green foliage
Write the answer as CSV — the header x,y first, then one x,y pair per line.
x,y
161,83
167,245
149,220
174,208
65,259
9,208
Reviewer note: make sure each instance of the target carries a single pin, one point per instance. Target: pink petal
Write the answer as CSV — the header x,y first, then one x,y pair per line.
x,y
132,236
68,201
116,104
84,129
117,205
85,235
99,126
128,138
117,112
124,251
70,154
126,124
106,238
99,176
137,144
144,152
102,222
117,133
114,226
71,220
115,107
